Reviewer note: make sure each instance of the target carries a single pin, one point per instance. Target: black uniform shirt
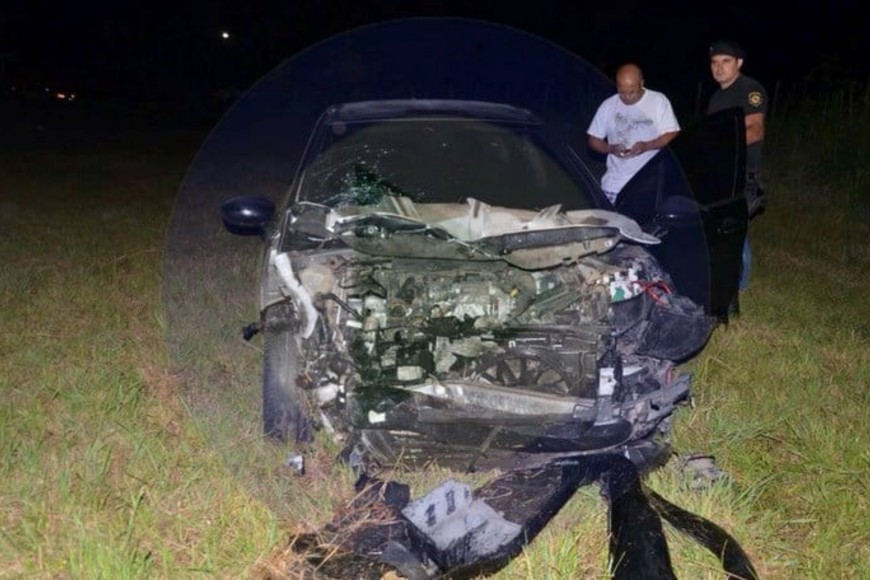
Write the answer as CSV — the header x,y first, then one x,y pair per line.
x,y
748,94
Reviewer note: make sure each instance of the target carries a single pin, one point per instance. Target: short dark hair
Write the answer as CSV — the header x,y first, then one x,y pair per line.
x,y
727,47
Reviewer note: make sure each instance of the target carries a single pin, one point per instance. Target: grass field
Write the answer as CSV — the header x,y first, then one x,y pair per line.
x,y
129,422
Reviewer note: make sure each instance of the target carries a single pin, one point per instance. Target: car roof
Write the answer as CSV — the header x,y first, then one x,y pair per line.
x,y
362,111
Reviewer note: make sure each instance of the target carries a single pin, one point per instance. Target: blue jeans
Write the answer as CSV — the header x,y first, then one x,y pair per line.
x,y
747,264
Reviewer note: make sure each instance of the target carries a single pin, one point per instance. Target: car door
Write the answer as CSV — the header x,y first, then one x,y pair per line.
x,y
695,204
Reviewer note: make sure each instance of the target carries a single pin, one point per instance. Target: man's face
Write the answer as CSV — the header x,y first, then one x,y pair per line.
x,y
725,68
629,91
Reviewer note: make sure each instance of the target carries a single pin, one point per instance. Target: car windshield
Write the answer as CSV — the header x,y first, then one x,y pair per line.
x,y
440,160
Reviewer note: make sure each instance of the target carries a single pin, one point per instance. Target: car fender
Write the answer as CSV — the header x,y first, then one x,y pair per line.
x,y
291,287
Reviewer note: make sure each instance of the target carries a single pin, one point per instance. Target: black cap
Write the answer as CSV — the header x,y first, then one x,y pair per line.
x,y
728,47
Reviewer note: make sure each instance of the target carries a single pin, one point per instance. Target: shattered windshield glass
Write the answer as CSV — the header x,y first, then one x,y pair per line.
x,y
438,160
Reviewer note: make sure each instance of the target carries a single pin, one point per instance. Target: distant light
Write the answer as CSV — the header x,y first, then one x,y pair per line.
x,y
225,35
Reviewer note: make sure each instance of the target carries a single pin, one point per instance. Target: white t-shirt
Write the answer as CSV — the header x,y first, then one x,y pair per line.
x,y
625,124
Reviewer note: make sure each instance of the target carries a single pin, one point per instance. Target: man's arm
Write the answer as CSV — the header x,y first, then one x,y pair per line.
x,y
754,128
659,142
601,146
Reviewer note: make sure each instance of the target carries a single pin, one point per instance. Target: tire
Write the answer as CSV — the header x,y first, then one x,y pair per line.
x,y
284,402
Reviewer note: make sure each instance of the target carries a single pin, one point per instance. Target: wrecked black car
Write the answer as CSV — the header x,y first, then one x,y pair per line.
x,y
446,283
442,284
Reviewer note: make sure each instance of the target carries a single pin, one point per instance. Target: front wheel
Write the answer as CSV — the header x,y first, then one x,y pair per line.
x,y
284,405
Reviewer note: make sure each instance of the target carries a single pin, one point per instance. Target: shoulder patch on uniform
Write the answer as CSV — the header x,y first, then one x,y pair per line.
x,y
756,98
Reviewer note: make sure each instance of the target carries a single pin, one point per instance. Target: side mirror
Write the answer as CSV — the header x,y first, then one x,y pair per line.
x,y
247,215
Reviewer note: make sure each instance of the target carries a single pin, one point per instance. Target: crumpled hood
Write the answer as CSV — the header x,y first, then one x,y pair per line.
x,y
476,230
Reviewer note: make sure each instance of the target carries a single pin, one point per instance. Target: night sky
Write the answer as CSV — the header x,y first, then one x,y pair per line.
x,y
142,49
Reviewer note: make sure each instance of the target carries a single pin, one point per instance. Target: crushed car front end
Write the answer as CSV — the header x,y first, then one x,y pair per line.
x,y
479,336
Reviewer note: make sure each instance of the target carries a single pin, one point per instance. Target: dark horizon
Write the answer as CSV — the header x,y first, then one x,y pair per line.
x,y
164,50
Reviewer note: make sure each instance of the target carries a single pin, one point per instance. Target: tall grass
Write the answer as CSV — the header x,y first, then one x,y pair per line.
x,y
123,458
103,474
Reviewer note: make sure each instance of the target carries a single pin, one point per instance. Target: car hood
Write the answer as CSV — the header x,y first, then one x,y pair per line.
x,y
396,226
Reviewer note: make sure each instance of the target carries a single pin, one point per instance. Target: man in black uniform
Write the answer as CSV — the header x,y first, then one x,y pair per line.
x,y
739,90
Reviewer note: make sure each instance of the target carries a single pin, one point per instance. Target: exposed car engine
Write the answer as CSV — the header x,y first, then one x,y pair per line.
x,y
483,352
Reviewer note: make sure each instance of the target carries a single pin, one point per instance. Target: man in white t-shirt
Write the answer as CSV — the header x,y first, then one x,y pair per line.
x,y
630,127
